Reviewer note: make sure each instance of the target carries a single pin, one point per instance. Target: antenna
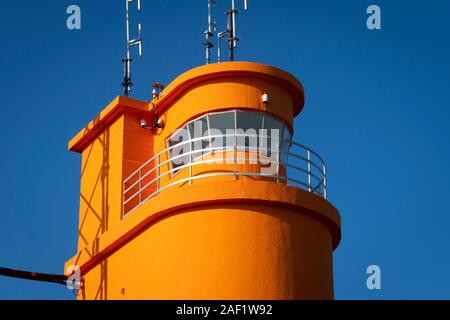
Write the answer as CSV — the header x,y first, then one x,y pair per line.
x,y
127,84
230,32
209,32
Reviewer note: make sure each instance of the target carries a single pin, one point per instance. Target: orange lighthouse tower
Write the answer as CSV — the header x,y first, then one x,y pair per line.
x,y
201,193
205,214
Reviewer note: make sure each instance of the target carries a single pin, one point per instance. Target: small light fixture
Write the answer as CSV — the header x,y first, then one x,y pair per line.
x,y
159,124
144,124
265,98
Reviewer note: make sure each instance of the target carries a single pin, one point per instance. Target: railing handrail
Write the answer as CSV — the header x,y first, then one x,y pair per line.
x,y
319,187
196,163
290,142
215,149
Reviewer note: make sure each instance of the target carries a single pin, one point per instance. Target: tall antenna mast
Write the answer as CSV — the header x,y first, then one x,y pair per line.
x,y
230,31
127,84
209,32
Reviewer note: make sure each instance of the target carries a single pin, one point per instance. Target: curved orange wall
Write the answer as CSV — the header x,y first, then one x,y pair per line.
x,y
232,251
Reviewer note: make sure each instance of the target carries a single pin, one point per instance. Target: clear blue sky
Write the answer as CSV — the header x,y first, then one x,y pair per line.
x,y
377,109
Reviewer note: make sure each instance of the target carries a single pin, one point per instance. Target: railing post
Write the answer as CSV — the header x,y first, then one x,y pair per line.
x,y
190,165
235,156
123,198
309,171
324,182
140,186
158,174
235,147
277,151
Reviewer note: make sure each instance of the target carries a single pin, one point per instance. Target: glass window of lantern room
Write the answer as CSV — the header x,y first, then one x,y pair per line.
x,y
285,144
274,129
210,132
221,124
198,130
180,148
248,125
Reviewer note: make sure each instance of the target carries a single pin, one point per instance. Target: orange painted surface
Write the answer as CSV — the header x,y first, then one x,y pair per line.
x,y
232,251
100,185
217,238
259,79
239,70
138,148
104,119
306,214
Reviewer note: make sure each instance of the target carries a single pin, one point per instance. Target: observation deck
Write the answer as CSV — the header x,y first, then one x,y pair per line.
x,y
287,163
218,202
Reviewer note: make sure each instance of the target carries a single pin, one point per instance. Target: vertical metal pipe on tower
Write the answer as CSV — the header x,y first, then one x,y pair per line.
x,y
230,32
127,61
209,32
127,83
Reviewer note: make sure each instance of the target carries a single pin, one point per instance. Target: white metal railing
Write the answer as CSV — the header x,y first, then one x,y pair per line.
x,y
302,167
